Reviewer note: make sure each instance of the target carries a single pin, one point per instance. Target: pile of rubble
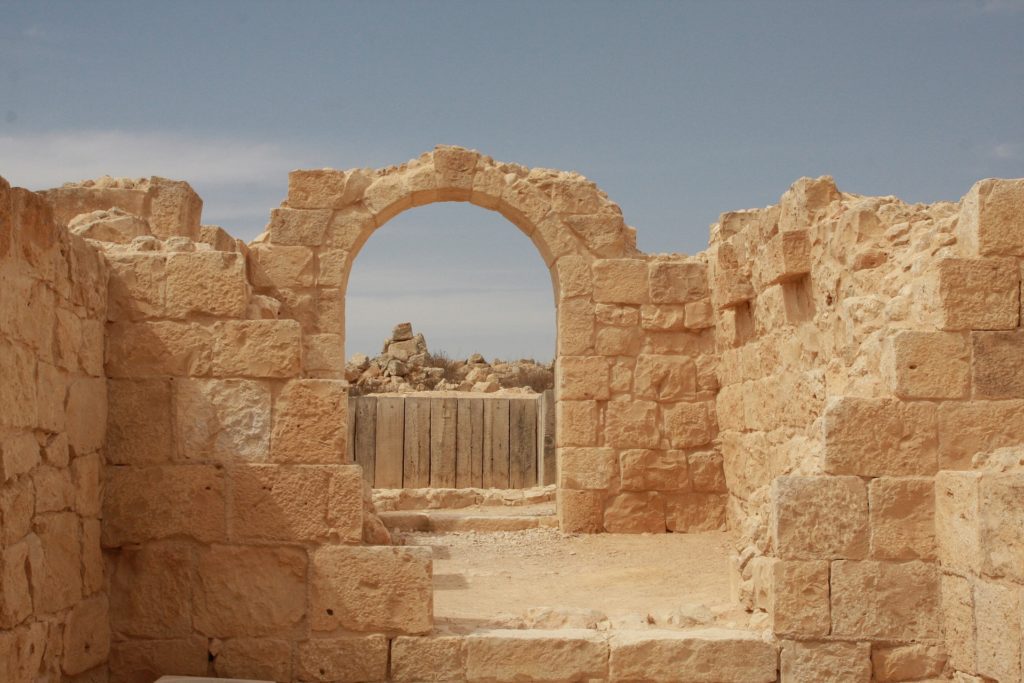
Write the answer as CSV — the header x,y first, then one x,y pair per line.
x,y
405,365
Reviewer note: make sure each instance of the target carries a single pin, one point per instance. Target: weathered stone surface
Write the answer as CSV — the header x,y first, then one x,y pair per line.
x,y
15,591
786,257
53,487
86,636
672,282
575,326
617,341
257,348
143,661
997,614
423,659
174,208
632,424
620,281
701,656
885,600
311,422
970,427
580,512
979,294
249,591
798,601
206,283
86,414
261,659
665,378
902,518
902,439
695,512
222,420
707,472
347,659
137,285
145,503
934,365
582,378
635,513
907,662
577,423
367,588
305,227
828,662
587,468
161,348
819,517
276,266
150,591
688,425
653,470
990,221
139,426
998,370
959,627
17,505
536,655
1002,530
56,572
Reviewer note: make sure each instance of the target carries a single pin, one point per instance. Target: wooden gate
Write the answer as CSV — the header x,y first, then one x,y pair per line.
x,y
422,441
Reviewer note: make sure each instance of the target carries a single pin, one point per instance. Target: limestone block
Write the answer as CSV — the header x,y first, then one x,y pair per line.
x,y
587,468
663,317
635,513
804,201
174,209
885,600
731,287
536,655
907,662
18,392
620,281
424,659
15,591
256,348
828,662
17,505
935,365
371,588
349,228
261,659
22,653
582,378
694,512
330,312
970,427
617,341
293,503
19,453
580,512
348,659
699,315
160,492
991,221
92,557
577,423
997,615
298,227
798,600
311,422
151,349
998,364
332,267
700,656
786,257
322,188
324,353
56,574
575,326
221,420
572,277
902,518
1002,533
672,282
707,472
665,378
614,315
631,424
86,636
206,283
249,591
978,294
901,441
959,625
144,661
139,427
51,397
218,238
819,517
137,286
150,591
273,265
653,470
688,425
85,479
86,413
456,168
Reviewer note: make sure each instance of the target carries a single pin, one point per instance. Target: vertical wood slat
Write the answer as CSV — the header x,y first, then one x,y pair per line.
x,y
476,421
487,445
546,446
390,451
365,449
350,444
522,443
499,443
464,444
416,462
443,416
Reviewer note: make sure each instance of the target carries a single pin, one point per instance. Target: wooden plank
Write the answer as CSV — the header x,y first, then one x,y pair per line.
x,y
464,444
350,445
522,443
547,419
365,452
390,435
416,463
476,419
487,443
499,443
443,416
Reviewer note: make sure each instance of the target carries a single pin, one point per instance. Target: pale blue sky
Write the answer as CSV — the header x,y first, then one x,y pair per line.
x,y
678,110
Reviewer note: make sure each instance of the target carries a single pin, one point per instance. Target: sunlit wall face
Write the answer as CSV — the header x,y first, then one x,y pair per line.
x,y
465,277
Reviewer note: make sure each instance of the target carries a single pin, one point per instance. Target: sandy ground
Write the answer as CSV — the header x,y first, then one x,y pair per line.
x,y
492,578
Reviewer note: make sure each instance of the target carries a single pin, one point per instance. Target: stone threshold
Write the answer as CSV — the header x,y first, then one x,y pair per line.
x,y
447,521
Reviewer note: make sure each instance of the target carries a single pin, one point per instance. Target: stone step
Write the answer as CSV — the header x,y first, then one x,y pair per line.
x,y
436,521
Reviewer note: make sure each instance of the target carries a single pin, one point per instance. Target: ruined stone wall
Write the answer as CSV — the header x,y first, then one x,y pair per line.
x,y
865,344
53,405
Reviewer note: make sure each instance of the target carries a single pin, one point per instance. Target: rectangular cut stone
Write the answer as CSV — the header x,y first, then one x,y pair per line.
x,y
15,591
305,227
700,656
577,423
674,282
55,565
663,317
222,420
885,600
575,326
162,348
349,659
620,281
371,588
907,662
151,590
261,659
970,427
635,513
991,221
1002,530
632,424
249,591
174,208
139,422
828,662
902,518
654,470
86,414
707,472
798,599
695,512
138,661
901,440
580,512
688,425
997,614
428,659
587,468
665,378
998,370
161,492
731,288
786,257
311,422
959,627
321,188
933,365
275,266
206,283
86,636
582,378
978,294
257,348
819,517
536,655
137,285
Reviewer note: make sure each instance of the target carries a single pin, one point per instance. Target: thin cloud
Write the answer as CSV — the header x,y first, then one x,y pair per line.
x,y
995,6
1006,151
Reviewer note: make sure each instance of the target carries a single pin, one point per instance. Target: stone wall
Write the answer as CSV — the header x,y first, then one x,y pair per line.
x,y
53,405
